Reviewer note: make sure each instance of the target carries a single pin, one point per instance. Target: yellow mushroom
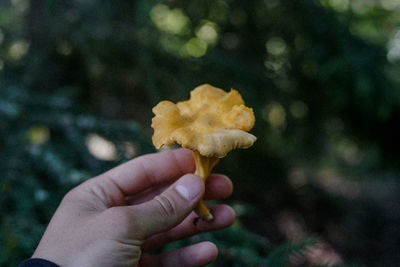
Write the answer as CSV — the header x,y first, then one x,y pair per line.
x,y
211,123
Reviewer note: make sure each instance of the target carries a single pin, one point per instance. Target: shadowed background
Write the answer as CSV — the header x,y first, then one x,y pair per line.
x,y
321,185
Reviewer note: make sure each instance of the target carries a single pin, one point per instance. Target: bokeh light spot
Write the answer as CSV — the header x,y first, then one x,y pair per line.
x,y
208,32
64,48
276,46
20,5
339,5
275,114
390,4
172,21
101,148
298,109
41,195
361,7
171,43
38,135
194,48
18,49
130,149
273,66
393,54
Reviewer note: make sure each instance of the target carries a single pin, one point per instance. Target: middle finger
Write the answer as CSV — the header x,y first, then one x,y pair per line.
x,y
218,186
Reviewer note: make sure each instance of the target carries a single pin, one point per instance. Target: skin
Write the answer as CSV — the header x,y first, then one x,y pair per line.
x,y
119,217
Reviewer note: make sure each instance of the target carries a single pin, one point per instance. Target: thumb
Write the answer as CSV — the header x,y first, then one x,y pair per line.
x,y
169,208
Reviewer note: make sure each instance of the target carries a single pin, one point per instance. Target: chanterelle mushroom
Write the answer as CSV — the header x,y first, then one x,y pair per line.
x,y
211,123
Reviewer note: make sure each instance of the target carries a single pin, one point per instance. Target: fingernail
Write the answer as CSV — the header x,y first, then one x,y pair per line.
x,y
188,187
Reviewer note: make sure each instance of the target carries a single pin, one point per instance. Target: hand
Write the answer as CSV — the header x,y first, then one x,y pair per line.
x,y
115,219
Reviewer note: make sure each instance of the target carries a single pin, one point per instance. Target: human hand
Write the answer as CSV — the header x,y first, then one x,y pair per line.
x,y
116,218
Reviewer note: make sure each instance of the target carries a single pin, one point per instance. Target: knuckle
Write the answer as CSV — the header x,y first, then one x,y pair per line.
x,y
70,196
77,193
166,205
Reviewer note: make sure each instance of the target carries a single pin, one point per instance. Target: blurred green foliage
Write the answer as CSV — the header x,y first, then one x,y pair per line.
x,y
78,80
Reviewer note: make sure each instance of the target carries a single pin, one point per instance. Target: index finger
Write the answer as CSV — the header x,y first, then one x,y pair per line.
x,y
149,170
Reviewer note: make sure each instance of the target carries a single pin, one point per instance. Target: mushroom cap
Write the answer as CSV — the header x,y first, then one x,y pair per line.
x,y
212,122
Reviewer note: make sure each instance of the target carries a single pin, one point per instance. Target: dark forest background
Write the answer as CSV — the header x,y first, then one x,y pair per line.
x,y
320,186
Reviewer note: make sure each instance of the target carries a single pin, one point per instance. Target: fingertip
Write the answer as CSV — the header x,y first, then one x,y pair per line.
x,y
230,214
212,250
227,180
190,187
206,252
218,186
224,215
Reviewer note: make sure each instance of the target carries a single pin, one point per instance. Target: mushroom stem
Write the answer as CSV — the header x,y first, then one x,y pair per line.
x,y
204,166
